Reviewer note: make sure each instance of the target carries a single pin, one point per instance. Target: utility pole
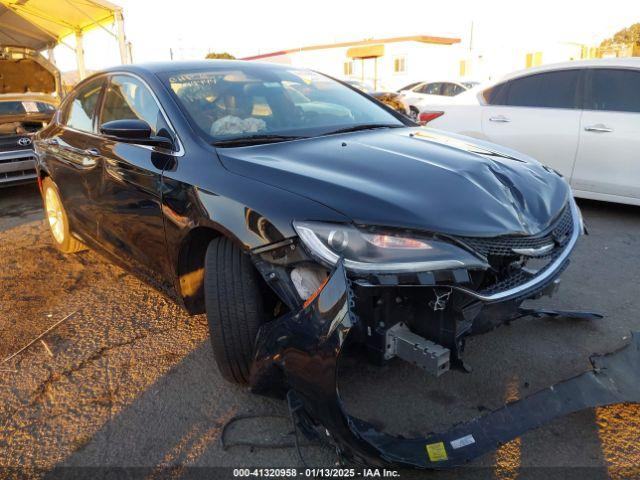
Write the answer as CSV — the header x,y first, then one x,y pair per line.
x,y
471,37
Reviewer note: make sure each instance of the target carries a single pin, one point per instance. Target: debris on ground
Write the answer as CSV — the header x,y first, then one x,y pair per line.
x,y
39,337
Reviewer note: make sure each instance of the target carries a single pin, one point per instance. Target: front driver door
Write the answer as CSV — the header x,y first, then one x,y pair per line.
x,y
608,162
131,223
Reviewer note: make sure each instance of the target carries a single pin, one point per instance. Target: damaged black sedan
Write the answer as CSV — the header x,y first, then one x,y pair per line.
x,y
299,215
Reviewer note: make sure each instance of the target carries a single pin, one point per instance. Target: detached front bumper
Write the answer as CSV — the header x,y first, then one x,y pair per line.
x,y
423,318
297,355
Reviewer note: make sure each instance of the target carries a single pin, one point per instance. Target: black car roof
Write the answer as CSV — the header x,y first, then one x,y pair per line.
x,y
179,65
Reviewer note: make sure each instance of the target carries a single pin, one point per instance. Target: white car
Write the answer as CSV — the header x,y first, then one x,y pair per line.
x,y
580,118
432,92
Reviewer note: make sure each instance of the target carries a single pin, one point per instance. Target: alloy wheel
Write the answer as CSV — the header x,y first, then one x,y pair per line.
x,y
54,214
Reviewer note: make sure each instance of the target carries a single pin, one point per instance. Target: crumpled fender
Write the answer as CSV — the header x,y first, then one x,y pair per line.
x,y
298,353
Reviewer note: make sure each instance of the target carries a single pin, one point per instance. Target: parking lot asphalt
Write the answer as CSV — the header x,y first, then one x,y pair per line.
x,y
128,379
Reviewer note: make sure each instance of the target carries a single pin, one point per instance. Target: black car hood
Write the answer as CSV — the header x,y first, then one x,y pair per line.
x,y
411,178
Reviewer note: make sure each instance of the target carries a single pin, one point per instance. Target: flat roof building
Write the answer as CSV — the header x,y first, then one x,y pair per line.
x,y
383,63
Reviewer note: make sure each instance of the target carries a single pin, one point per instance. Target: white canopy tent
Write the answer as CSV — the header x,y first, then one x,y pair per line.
x,y
42,24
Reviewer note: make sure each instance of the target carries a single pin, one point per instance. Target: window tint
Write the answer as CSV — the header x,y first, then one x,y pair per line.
x,y
451,89
22,107
7,108
496,95
82,108
430,88
127,98
551,90
614,90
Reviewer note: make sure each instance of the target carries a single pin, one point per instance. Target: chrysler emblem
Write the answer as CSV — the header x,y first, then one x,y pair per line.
x,y
24,141
534,252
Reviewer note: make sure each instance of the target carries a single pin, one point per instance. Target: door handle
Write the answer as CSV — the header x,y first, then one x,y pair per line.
x,y
89,157
600,128
499,119
88,162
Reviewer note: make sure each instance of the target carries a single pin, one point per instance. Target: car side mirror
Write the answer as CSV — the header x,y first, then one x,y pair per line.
x,y
134,131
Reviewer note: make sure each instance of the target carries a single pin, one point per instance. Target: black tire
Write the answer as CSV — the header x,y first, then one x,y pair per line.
x,y
66,243
413,113
234,307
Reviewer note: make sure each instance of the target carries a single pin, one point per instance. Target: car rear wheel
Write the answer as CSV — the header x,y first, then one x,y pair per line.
x,y
234,307
57,219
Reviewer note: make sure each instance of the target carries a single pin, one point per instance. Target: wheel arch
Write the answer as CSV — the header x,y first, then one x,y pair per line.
x,y
191,262
42,174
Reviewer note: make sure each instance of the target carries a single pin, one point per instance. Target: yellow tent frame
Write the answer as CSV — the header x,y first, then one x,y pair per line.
x,y
42,24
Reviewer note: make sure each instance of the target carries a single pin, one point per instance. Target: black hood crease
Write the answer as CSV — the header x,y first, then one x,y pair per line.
x,y
404,178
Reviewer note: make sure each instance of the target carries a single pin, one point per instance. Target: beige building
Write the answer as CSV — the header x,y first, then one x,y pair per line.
x,y
383,63
392,63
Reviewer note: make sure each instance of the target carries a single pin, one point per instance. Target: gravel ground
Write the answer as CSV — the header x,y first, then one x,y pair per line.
x,y
127,380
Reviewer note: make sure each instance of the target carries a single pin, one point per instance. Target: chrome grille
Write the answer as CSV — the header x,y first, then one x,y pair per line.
x,y
499,253
503,246
17,167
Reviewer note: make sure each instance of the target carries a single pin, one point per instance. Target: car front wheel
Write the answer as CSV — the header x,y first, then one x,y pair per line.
x,y
57,219
234,307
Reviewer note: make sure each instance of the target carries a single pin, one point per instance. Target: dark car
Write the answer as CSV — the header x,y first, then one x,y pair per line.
x,y
296,228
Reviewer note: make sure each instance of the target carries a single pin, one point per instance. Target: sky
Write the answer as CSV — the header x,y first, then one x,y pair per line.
x,y
191,28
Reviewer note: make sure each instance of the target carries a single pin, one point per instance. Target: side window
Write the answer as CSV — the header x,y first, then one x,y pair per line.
x,y
496,95
550,90
127,98
451,89
431,88
614,90
82,108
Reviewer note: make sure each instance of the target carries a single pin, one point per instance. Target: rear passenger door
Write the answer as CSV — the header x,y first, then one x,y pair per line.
x,y
538,115
72,160
608,161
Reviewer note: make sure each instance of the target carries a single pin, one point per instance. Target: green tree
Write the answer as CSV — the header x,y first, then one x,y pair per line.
x,y
223,56
629,36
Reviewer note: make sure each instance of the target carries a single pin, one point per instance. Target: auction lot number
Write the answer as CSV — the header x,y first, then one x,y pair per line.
x,y
315,472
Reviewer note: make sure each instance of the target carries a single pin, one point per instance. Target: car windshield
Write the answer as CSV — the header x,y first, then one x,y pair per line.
x,y
364,87
15,107
260,104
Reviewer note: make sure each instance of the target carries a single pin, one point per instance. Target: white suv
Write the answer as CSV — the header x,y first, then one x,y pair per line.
x,y
580,118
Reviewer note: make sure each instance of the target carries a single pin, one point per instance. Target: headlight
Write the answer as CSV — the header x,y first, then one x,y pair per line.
x,y
365,251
